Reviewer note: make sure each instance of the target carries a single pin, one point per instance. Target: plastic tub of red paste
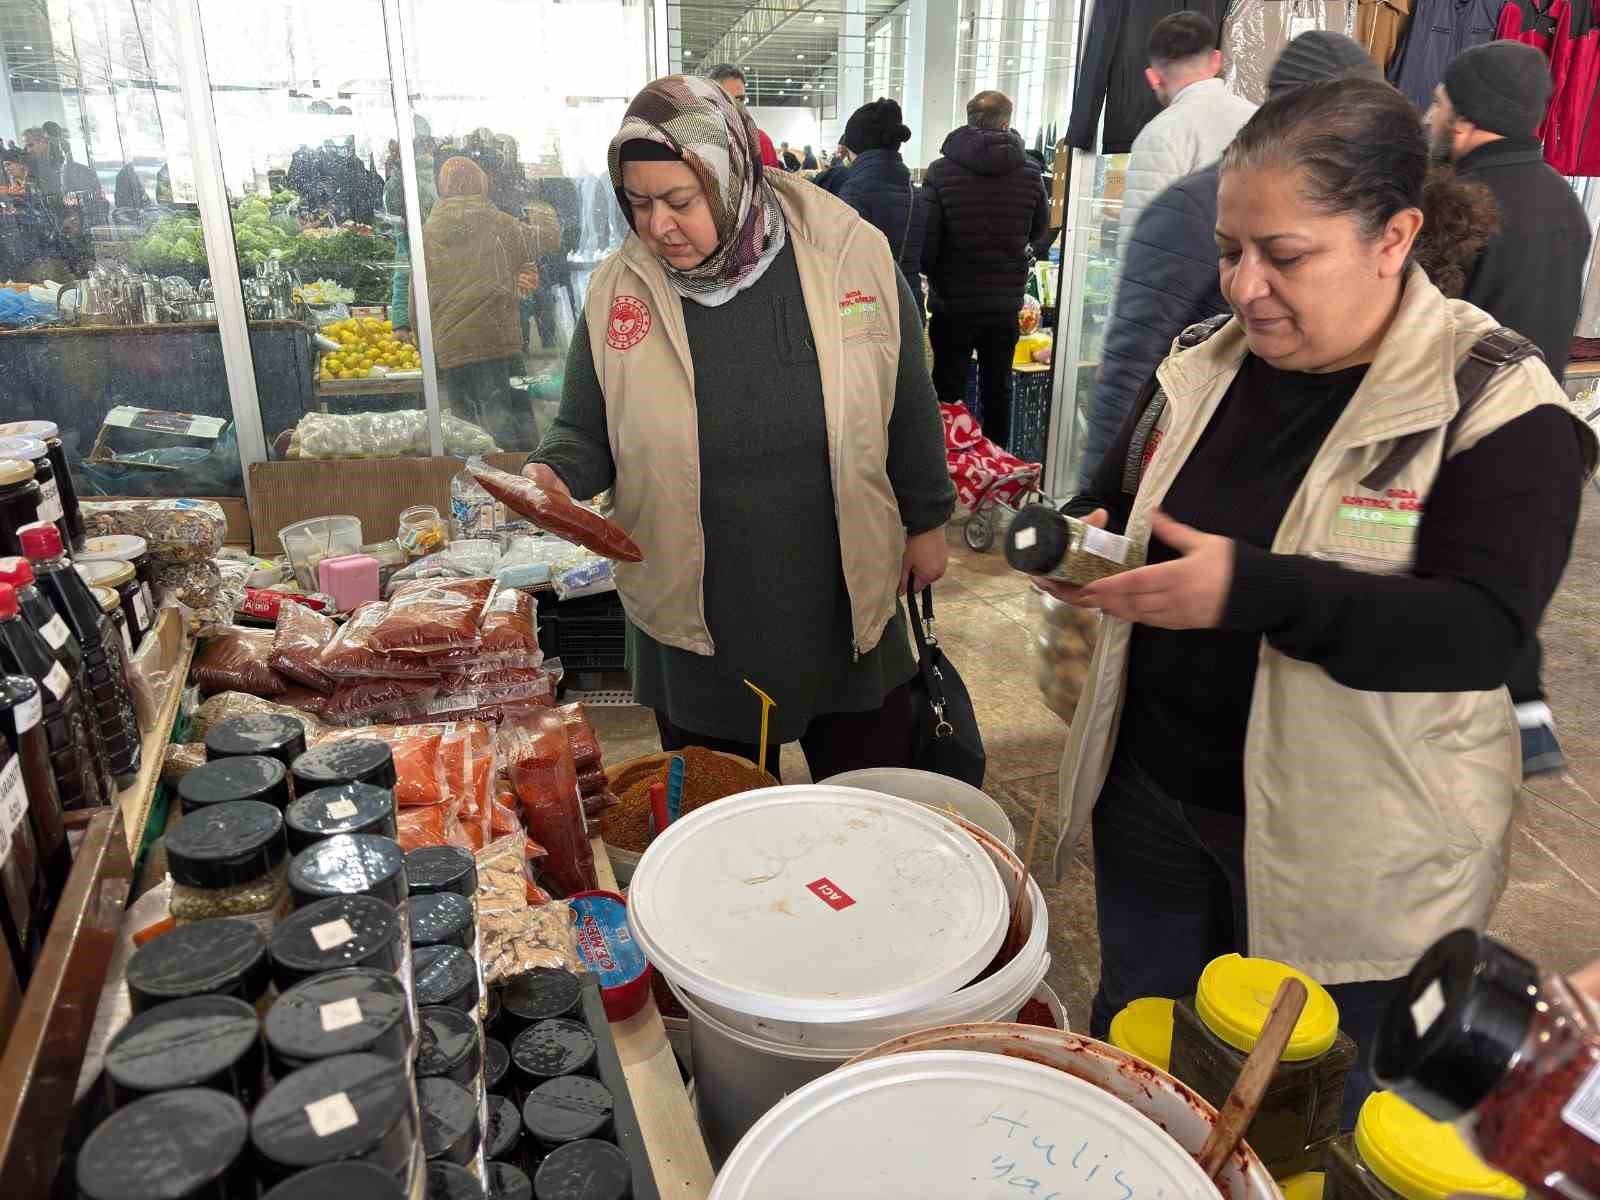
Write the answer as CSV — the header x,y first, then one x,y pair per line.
x,y
610,951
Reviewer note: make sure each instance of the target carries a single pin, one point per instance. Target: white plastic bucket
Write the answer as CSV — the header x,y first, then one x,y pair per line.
x,y
952,1123
936,791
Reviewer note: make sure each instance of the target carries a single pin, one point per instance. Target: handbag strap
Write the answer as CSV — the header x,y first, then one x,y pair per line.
x,y
928,660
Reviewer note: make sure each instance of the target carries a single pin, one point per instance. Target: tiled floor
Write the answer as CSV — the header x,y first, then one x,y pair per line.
x,y
1551,910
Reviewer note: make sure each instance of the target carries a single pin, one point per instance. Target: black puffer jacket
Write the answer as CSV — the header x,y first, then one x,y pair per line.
x,y
1169,282
878,186
985,205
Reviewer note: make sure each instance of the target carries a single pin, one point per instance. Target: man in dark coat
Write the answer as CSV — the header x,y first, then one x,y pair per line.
x,y
986,209
877,184
1530,275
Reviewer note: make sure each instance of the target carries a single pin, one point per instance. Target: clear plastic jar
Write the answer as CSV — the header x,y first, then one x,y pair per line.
x,y
421,531
230,860
1066,637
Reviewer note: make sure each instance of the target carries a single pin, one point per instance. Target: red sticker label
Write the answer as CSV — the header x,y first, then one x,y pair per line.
x,y
630,321
829,893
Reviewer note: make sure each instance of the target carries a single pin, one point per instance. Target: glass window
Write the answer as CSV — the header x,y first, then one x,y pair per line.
x,y
105,325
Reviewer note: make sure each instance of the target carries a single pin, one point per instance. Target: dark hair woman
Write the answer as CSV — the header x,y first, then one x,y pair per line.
x,y
1295,740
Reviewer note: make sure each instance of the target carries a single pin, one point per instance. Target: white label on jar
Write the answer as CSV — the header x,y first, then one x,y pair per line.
x,y
331,1114
58,681
341,1013
1107,545
332,933
1026,538
13,804
141,610
144,592
1425,1009
1583,1110
29,712
49,507
55,632
342,809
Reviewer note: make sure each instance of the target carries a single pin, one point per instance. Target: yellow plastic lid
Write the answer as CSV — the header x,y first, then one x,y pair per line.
x,y
1420,1158
15,470
1144,1030
1305,1186
1235,994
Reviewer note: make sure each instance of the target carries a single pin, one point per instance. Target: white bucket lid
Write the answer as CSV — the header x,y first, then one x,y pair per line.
x,y
814,903
951,1122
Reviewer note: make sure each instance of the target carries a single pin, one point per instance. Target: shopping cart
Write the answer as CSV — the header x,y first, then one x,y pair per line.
x,y
997,503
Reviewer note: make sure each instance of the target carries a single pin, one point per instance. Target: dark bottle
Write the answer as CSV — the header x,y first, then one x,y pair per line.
x,y
19,501
48,433
72,760
37,454
22,733
24,899
105,667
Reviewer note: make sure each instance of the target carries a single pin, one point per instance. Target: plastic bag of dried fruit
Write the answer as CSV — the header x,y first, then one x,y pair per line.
x,y
241,704
519,926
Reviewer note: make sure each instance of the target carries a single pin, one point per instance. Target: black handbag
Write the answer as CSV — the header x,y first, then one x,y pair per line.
x,y
944,728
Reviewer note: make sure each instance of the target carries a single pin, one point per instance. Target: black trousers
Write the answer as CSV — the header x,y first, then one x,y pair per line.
x,y
954,338
1169,889
1525,685
833,743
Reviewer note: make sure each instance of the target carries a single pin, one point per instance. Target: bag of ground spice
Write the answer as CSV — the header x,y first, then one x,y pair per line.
x,y
556,513
538,762
238,661
297,643
432,615
240,704
350,655
508,624
354,703
580,735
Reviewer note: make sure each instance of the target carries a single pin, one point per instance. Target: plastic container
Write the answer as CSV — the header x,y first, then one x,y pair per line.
x,y
590,1170
442,869
448,1045
1214,1031
539,995
270,735
227,780
343,931
346,808
353,1107
551,1049
351,579
307,543
19,502
568,1109
340,1181
445,975
421,531
123,547
1144,1030
450,1129
447,1181
221,957
503,1136
442,919
1398,1153
354,1010
229,860
204,1041
349,864
938,792
1308,1185
178,1145
1052,545
601,921
504,1181
50,435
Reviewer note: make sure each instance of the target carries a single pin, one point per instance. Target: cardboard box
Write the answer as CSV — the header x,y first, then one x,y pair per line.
x,y
376,490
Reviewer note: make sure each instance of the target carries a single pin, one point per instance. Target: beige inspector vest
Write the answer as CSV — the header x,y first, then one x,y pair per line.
x,y
641,356
1375,822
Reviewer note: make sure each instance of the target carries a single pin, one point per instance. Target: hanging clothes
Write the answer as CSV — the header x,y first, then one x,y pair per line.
x,y
1440,30
1111,74
1256,31
1380,24
1571,131
1534,23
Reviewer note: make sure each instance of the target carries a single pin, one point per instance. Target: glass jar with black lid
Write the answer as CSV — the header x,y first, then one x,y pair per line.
x,y
346,808
191,1143
344,1180
271,735
218,957
353,1010
353,1107
248,777
348,760
19,502
442,919
451,1129
201,1041
341,931
229,860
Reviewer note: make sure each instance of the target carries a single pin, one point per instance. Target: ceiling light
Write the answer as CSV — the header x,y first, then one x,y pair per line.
x,y
790,79
27,47
966,25
819,19
807,87
1011,62
800,58
688,53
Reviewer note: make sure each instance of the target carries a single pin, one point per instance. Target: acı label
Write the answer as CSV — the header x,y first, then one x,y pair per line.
x,y
829,893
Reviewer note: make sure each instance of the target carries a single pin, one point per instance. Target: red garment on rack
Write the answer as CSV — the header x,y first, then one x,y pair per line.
x,y
1533,23
1572,129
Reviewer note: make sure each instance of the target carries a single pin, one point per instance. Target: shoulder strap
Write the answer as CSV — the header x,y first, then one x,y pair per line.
x,y
1496,349
1154,400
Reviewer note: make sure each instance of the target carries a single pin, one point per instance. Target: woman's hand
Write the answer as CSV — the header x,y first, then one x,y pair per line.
x,y
1188,593
527,280
547,479
1069,592
404,335
924,561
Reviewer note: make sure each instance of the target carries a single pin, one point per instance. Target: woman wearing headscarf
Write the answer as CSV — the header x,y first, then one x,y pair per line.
x,y
747,377
481,262
877,184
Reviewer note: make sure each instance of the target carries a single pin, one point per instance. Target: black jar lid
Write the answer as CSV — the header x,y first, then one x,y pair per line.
x,y
446,1181
496,1062
150,1149
447,1044
540,994
273,735
249,777
223,956
349,1011
505,1127
1037,540
204,1041
342,931
588,1170
442,869
553,1048
442,919
354,1106
348,760
223,845
444,975
340,1181
449,1120
506,1182
344,808
568,1109
350,864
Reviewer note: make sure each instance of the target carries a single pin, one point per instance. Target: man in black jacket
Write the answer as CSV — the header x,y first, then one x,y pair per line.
x,y
1530,275
986,207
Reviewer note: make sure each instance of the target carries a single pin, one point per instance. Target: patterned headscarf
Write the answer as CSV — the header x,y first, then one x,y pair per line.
x,y
717,140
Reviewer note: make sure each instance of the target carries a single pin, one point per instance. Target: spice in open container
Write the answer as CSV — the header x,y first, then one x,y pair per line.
x,y
340,1181
120,578
1052,545
1398,1153
345,808
230,860
271,735
219,957
203,1041
190,1144
1214,1031
354,1010
341,931
347,760
128,548
226,780
352,1107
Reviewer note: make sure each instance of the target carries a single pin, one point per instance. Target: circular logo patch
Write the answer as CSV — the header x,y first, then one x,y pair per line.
x,y
630,321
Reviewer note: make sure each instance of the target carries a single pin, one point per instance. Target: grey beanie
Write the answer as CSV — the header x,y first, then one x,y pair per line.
x,y
1502,87
1318,56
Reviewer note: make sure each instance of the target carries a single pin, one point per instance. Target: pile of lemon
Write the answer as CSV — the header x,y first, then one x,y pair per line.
x,y
365,343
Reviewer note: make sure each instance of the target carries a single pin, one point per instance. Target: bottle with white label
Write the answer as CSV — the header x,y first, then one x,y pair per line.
x,y
37,455
42,615
72,759
22,734
24,899
1049,544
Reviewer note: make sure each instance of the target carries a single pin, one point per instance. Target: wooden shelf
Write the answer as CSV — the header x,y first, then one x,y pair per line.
x,y
376,385
136,799
1583,370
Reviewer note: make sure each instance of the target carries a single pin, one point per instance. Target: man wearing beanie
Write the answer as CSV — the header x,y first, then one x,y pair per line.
x,y
1530,275
877,184
1169,275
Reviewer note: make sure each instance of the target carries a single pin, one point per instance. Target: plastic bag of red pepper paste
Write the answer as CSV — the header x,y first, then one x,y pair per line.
x,y
508,624
590,779
431,615
304,699
418,770
500,685
297,644
418,827
350,654
555,513
595,803
377,700
580,734
539,765
238,661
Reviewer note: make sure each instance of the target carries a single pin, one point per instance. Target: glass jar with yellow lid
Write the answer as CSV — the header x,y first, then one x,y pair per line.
x,y
1144,1030
19,502
1215,1029
1400,1153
